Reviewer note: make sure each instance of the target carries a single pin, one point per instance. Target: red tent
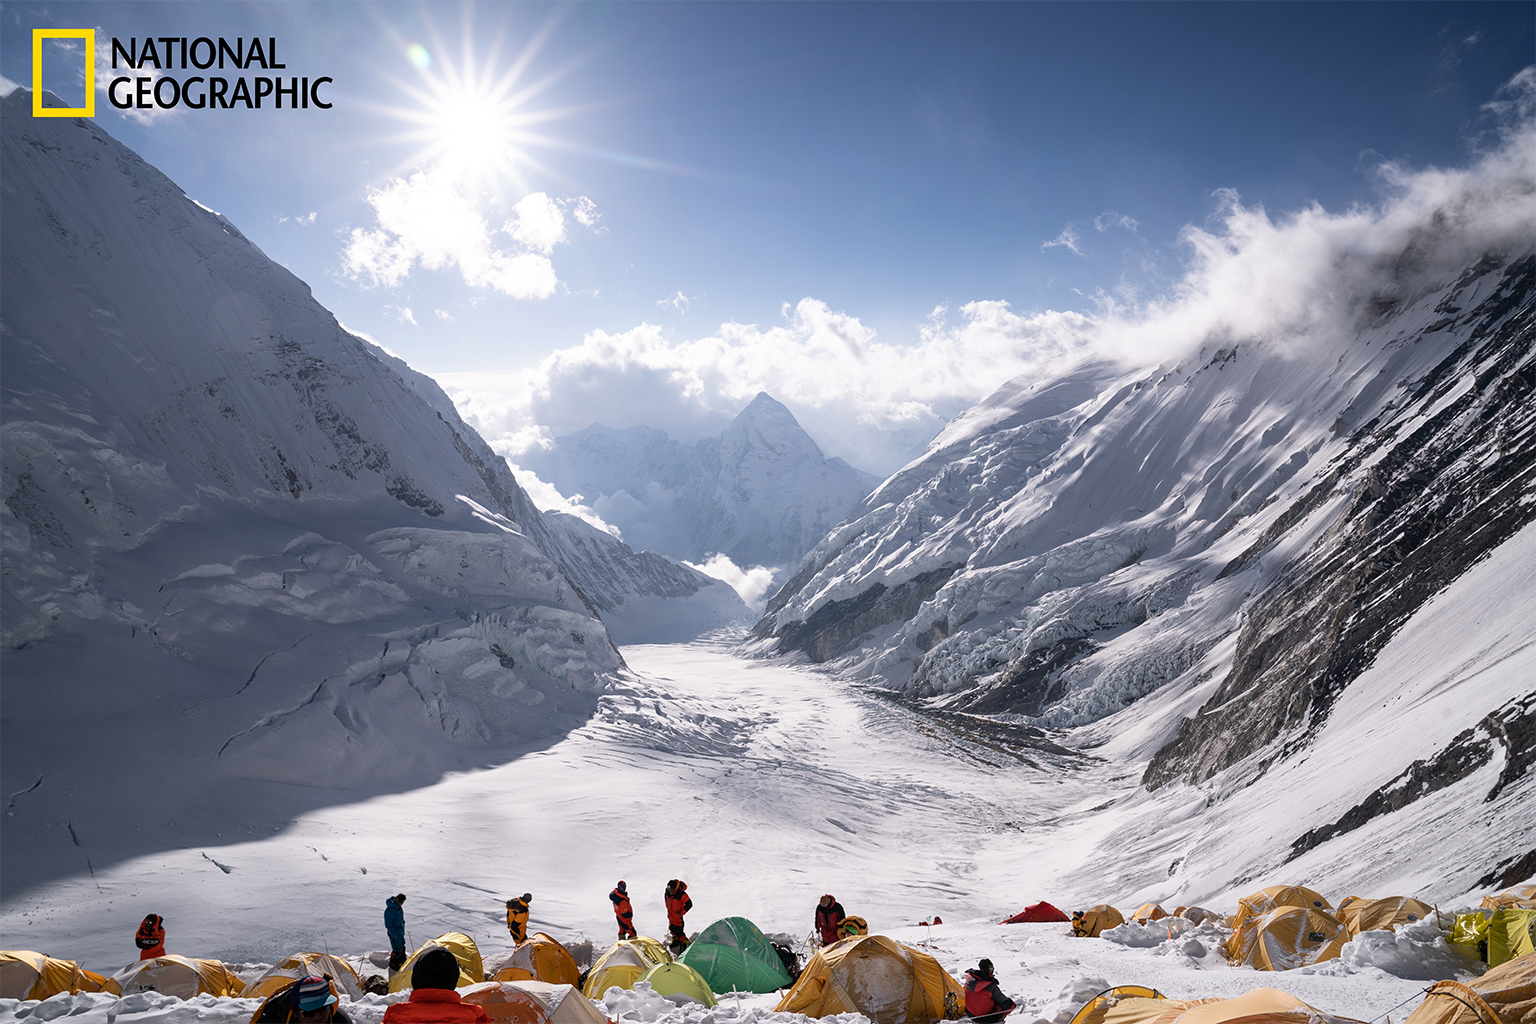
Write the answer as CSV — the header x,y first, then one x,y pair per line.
x,y
1041,911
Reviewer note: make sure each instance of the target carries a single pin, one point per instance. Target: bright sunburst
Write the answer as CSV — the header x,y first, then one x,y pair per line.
x,y
474,117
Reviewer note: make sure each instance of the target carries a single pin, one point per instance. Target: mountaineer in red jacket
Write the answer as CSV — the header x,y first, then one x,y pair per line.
x,y
150,937
623,911
829,918
678,904
433,1000
984,1000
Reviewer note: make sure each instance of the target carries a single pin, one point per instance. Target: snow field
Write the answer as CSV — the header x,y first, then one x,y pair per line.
x,y
764,785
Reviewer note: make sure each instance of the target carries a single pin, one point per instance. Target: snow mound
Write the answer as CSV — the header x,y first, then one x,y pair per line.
x,y
1415,950
1074,995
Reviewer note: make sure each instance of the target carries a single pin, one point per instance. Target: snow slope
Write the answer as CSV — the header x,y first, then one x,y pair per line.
x,y
762,493
764,785
251,562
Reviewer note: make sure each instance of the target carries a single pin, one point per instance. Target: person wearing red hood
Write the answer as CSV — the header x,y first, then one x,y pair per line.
x,y
433,999
829,917
984,1000
623,911
150,937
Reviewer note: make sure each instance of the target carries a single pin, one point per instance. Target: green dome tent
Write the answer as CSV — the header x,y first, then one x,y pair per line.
x,y
733,955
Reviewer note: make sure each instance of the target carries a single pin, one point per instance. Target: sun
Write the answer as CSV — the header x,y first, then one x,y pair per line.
x,y
477,117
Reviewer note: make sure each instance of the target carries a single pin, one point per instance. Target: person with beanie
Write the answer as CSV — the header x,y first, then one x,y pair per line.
x,y
394,924
984,1000
517,917
308,999
623,911
433,999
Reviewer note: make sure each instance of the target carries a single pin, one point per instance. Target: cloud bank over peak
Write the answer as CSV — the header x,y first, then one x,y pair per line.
x,y
868,401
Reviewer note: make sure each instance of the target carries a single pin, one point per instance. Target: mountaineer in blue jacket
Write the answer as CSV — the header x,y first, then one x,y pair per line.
x,y
394,924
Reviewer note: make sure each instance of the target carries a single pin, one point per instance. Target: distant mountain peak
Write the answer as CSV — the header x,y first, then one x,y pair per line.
x,y
767,423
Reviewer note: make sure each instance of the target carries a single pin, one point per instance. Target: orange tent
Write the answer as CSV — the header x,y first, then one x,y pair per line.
x,y
540,957
1505,993
1149,912
1384,914
1098,918
532,1002
1262,902
1286,938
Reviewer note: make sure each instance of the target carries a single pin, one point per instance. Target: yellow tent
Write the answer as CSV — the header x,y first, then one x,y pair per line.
x,y
1094,1009
533,1002
1286,938
1524,897
879,977
679,983
540,957
28,975
1262,902
464,950
176,976
1098,918
1511,933
1258,1006
1383,914
623,964
1149,912
1506,993
303,965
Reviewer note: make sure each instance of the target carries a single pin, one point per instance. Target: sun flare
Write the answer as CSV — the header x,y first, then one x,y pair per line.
x,y
473,117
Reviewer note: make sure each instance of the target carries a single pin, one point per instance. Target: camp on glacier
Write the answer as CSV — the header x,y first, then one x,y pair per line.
x,y
1225,617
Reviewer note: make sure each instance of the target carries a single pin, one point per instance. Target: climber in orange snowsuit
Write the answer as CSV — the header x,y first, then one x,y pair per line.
x,y
623,911
150,937
678,904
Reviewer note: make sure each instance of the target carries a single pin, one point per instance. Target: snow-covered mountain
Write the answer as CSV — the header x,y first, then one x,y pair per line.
x,y
1200,566
251,563
761,493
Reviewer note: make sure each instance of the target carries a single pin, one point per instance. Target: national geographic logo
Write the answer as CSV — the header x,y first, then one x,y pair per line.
x,y
198,92
87,34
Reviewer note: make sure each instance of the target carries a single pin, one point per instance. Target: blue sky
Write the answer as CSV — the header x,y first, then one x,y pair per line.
x,y
732,160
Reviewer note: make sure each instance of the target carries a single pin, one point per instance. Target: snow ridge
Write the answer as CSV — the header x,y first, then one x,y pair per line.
x,y
246,544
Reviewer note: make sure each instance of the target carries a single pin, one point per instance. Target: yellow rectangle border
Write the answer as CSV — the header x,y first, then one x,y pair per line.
x,y
89,35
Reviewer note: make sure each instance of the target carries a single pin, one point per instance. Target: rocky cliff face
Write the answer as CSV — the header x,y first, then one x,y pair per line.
x,y
762,493
247,556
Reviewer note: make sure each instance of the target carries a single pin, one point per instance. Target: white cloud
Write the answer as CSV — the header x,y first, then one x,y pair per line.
x,y
306,220
546,498
7,87
402,314
538,222
585,212
1068,238
427,219
677,301
442,314
1111,219
751,585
